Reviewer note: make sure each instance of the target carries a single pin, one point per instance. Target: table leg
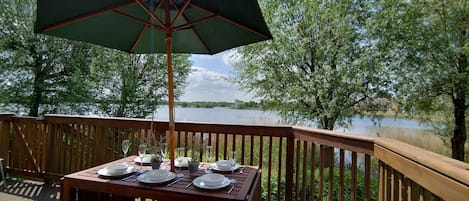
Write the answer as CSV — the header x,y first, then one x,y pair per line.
x,y
65,190
255,194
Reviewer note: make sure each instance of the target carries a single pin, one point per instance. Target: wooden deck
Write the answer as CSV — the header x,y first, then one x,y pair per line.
x,y
26,190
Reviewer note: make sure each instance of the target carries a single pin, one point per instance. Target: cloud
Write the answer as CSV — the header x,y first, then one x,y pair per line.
x,y
229,57
206,85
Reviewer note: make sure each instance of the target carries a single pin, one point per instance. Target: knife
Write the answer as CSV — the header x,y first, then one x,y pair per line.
x,y
231,189
176,181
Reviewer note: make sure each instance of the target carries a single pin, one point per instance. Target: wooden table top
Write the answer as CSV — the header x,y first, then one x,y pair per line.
x,y
129,186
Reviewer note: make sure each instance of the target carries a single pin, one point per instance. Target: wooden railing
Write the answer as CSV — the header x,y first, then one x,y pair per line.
x,y
297,163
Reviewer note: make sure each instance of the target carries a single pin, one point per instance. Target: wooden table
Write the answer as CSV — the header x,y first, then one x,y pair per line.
x,y
88,185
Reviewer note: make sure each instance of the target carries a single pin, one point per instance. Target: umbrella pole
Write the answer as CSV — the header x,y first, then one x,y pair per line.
x,y
170,102
168,38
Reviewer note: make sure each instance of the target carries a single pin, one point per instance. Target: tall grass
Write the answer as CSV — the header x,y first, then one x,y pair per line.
x,y
425,139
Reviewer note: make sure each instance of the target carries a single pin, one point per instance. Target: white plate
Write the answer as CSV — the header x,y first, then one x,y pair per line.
x,y
184,162
104,172
145,178
199,183
214,166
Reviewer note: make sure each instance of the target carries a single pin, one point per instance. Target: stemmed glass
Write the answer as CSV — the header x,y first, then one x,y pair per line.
x,y
125,147
163,146
180,156
208,151
232,161
142,148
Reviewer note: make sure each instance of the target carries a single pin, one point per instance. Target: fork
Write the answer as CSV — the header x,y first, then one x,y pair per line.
x,y
233,181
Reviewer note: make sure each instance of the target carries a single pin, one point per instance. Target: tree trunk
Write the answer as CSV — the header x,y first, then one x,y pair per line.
x,y
37,91
458,140
328,151
35,101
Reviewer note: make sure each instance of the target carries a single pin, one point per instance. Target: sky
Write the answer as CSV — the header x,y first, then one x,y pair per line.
x,y
210,80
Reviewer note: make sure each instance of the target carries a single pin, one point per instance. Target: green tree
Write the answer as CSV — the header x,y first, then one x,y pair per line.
x,y
39,73
318,67
425,44
131,85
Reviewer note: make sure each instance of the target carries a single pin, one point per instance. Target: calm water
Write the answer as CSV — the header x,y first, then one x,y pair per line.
x,y
234,116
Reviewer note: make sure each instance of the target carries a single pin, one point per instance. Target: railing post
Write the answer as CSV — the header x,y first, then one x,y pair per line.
x,y
289,166
5,131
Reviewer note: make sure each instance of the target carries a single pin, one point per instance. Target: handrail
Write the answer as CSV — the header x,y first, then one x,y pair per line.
x,y
445,177
357,143
6,116
248,129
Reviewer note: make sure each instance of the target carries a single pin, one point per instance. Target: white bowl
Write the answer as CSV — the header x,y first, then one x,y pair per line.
x,y
212,179
157,175
223,164
145,159
118,168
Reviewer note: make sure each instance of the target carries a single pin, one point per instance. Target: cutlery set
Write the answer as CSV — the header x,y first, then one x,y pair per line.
x,y
179,178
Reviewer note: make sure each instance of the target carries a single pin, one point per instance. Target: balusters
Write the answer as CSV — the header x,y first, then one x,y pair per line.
x,y
341,175
313,168
269,169
242,150
279,170
297,169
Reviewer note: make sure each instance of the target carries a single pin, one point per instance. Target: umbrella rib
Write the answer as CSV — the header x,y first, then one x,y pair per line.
x,y
190,25
230,20
140,35
198,36
149,12
81,17
186,3
146,23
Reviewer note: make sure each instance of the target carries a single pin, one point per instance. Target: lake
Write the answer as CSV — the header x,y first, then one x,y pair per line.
x,y
360,126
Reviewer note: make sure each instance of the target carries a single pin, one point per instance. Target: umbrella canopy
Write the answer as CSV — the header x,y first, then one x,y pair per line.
x,y
156,26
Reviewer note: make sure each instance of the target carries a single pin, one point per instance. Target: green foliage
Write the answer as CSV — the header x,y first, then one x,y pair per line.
x,y
129,85
236,105
318,67
39,73
44,74
424,44
360,183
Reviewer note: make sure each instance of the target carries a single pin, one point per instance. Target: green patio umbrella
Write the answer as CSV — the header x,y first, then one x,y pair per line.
x,y
156,26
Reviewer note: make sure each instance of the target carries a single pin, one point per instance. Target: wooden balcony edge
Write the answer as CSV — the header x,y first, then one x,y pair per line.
x,y
357,143
6,116
248,129
439,164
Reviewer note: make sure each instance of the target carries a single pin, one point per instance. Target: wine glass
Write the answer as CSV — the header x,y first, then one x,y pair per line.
x,y
180,156
142,148
232,161
163,146
125,147
208,151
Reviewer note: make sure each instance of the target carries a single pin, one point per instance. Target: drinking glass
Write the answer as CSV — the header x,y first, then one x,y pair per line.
x,y
232,161
208,152
125,147
180,156
142,148
163,146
